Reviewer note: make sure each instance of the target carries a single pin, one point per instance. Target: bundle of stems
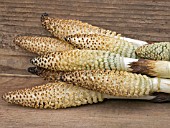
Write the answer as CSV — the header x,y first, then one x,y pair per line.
x,y
87,64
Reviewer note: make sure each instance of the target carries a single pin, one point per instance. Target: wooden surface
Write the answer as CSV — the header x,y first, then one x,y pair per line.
x,y
140,19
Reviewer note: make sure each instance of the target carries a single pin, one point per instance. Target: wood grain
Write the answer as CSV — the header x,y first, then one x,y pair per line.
x,y
14,62
144,20
140,19
110,113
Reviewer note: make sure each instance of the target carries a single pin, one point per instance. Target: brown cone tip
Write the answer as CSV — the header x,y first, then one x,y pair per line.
x,y
9,97
4,97
44,16
51,76
35,70
17,40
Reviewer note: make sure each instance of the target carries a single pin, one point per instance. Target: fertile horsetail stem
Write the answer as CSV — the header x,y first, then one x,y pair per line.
x,y
63,95
99,42
61,28
111,82
95,59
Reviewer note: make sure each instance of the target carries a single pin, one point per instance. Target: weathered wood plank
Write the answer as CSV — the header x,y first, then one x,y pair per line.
x,y
144,20
14,62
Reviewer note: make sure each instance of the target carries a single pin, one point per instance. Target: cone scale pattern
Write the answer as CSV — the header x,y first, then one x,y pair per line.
x,y
42,45
156,51
98,42
80,60
61,28
54,96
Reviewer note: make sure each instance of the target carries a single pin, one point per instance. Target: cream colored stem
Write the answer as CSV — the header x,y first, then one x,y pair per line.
x,y
165,85
163,68
135,42
127,62
105,96
161,85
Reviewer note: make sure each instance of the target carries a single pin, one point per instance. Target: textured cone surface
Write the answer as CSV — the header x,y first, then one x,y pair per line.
x,y
55,76
156,51
42,45
62,28
116,83
80,60
49,75
99,42
53,95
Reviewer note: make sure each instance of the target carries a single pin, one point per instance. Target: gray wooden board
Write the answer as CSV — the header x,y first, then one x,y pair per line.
x,y
139,19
